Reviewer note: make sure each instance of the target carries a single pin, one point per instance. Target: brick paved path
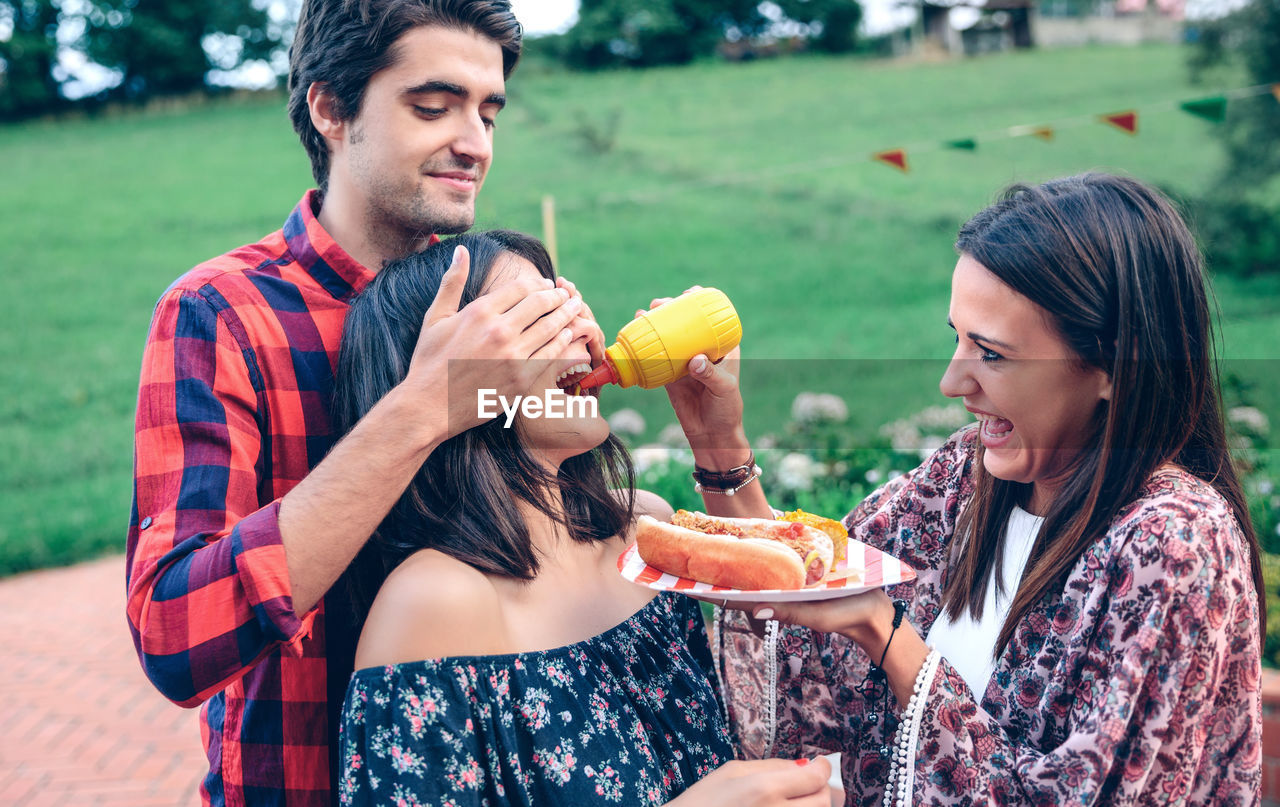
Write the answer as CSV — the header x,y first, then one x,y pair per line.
x,y
79,723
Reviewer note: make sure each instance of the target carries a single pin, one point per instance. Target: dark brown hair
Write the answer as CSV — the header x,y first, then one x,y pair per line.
x,y
1122,281
463,501
342,43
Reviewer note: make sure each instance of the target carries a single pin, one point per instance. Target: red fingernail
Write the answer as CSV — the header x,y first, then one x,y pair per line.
x,y
802,762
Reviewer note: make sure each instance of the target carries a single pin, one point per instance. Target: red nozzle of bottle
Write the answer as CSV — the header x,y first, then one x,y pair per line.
x,y
604,374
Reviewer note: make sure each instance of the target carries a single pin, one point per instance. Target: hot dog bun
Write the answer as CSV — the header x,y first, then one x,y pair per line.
x,y
721,560
814,547
742,553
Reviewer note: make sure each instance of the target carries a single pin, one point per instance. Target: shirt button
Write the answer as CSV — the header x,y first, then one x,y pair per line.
x,y
146,522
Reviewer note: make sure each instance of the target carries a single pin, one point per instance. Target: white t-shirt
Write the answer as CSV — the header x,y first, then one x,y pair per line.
x,y
968,645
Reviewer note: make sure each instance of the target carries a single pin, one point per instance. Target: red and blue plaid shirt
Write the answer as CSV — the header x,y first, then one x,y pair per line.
x,y
237,377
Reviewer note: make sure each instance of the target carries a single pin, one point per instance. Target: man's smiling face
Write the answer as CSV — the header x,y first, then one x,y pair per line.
x,y
420,146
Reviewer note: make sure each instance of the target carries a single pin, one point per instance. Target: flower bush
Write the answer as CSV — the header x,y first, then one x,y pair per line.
x,y
813,464
1256,461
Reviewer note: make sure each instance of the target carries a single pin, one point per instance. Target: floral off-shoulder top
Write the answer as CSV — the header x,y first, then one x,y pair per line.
x,y
630,716
1136,684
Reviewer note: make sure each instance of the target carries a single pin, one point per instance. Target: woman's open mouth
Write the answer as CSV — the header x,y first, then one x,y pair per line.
x,y
568,380
995,431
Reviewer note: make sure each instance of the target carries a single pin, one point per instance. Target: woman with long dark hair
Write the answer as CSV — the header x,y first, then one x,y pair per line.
x,y
1086,624
502,658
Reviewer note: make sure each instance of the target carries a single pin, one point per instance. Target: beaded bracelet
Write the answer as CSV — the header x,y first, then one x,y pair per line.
x,y
717,657
901,780
729,482
771,661
771,671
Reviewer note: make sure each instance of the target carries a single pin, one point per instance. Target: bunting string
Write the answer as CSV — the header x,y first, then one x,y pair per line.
x,y
1210,108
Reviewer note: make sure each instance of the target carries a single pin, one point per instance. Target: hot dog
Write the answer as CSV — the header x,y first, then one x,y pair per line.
x,y
742,553
834,529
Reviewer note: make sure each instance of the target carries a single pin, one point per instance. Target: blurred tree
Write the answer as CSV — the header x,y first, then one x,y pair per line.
x,y
839,20
641,33
1237,216
160,45
637,33
27,84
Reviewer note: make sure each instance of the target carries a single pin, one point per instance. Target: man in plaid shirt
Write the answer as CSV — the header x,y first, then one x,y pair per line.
x,y
245,514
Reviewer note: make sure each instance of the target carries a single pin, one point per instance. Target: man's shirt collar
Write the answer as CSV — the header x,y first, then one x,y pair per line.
x,y
319,255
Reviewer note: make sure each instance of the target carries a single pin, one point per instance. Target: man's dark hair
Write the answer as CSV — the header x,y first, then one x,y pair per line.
x,y
463,501
342,43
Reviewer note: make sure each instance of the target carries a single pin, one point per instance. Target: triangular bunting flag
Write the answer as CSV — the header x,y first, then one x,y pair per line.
x,y
1042,132
1211,109
1126,121
895,157
966,144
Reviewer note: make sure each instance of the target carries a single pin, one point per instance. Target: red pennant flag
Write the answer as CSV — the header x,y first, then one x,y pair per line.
x,y
895,157
1126,121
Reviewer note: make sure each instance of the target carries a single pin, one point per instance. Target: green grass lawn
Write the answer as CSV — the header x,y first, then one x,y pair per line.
x,y
750,177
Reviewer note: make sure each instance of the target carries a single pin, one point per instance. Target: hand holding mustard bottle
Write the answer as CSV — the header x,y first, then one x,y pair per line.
x,y
656,347
689,344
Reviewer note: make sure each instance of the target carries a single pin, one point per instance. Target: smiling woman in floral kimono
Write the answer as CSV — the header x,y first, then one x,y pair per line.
x,y
1086,624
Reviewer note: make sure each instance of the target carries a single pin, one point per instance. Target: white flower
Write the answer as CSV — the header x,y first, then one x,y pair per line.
x,y
813,407
1265,486
928,445
796,471
767,442
650,456
921,431
947,418
903,436
672,435
626,421
874,476
1249,417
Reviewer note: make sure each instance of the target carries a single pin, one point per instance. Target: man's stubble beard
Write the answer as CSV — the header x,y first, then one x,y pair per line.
x,y
401,212
407,219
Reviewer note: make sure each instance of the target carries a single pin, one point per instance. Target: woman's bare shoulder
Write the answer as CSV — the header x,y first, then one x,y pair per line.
x,y
432,606
649,503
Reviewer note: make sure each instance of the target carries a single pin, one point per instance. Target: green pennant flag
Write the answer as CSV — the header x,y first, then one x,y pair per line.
x,y
1211,109
967,144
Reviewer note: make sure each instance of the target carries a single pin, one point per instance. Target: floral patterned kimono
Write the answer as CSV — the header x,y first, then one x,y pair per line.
x,y
1137,683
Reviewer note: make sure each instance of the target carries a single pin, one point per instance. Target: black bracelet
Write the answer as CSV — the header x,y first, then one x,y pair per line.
x,y
877,674
899,608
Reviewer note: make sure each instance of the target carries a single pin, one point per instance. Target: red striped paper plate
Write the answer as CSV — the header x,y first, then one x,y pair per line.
x,y
867,568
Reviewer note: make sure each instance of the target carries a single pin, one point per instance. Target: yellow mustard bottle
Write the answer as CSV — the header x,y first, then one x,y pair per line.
x,y
654,349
